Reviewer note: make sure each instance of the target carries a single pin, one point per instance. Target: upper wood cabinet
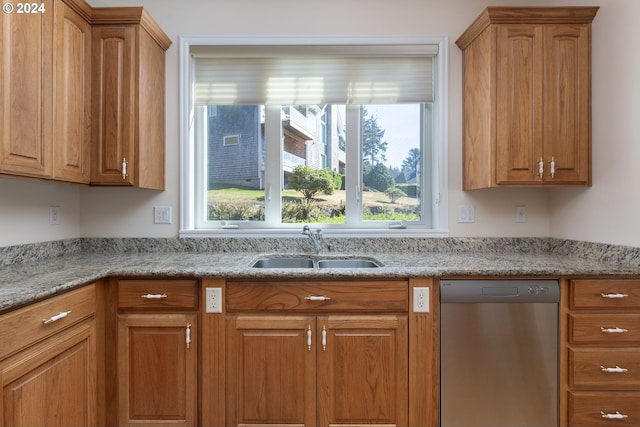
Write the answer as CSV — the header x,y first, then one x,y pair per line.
x,y
128,99
82,94
26,87
527,97
72,93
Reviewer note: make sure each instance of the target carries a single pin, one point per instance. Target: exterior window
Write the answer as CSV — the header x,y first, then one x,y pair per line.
x,y
231,140
358,154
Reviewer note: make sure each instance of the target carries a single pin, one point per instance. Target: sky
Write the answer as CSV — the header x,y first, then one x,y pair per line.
x,y
401,123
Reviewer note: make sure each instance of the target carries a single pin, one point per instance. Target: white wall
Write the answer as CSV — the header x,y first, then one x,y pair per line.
x,y
568,213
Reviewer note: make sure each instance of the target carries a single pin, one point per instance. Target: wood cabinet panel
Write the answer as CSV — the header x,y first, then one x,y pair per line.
x,y
157,369
604,328
271,370
72,116
157,294
351,296
586,409
605,368
53,383
25,89
31,324
363,370
605,293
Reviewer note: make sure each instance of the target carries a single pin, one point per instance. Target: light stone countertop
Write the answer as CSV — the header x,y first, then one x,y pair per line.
x,y
39,276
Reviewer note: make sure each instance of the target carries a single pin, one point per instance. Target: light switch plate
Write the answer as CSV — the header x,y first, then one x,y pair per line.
x,y
162,214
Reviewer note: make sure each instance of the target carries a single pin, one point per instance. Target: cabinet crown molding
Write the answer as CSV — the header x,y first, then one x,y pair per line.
x,y
528,15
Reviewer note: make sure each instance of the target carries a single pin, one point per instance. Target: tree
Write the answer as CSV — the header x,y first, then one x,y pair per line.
x,y
394,193
411,163
378,177
373,145
310,181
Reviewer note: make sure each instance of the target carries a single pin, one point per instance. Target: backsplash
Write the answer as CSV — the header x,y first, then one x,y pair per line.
x,y
623,255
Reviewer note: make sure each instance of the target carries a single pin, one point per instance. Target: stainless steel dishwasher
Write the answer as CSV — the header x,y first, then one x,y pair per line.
x,y
499,353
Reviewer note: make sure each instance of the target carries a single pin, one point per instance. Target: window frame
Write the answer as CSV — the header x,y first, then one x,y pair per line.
x,y
190,205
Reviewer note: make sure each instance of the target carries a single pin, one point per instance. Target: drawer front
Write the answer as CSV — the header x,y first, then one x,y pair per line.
x,y
604,328
604,409
30,324
602,368
370,296
619,293
154,294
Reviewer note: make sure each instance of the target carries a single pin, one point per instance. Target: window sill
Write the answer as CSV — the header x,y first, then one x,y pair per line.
x,y
327,233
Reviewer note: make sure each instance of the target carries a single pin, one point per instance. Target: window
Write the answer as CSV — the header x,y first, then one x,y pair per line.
x,y
345,135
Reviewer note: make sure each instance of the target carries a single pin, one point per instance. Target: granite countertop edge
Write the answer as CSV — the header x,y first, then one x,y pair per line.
x,y
29,281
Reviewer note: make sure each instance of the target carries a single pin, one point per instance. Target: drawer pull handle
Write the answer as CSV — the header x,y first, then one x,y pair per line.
x,y
616,416
616,370
55,318
317,298
613,330
616,295
154,296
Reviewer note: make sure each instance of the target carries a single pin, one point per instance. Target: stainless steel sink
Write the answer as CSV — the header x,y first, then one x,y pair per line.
x,y
347,263
306,262
284,262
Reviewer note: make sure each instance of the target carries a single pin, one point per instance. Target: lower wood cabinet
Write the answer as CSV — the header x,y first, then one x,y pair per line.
x,y
48,365
157,353
317,353
601,352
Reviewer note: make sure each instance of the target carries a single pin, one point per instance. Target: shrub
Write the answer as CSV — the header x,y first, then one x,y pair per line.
x,y
394,193
310,181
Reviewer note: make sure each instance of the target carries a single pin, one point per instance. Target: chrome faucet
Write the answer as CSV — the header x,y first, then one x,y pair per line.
x,y
316,238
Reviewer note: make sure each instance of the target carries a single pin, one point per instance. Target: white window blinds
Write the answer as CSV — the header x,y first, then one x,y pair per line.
x,y
341,74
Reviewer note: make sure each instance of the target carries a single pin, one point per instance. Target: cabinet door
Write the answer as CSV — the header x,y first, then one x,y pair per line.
x,y
567,105
72,62
25,92
157,369
271,370
363,370
53,383
114,107
519,103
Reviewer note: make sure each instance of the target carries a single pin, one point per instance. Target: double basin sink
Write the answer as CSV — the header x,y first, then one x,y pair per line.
x,y
311,262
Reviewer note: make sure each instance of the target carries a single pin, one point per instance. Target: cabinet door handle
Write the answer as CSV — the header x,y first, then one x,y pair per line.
x,y
124,168
324,338
317,298
55,318
615,295
309,335
540,167
188,333
552,167
616,416
155,296
616,370
613,330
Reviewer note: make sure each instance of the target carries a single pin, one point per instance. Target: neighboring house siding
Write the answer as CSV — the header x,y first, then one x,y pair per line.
x,y
235,164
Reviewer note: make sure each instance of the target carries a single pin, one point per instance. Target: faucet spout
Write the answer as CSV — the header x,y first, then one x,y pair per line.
x,y
316,238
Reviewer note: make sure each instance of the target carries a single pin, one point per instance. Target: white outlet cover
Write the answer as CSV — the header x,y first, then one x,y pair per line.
x,y
213,303
420,300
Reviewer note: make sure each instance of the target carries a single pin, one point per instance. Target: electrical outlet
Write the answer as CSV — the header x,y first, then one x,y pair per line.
x,y
213,302
420,300
466,214
162,214
54,215
521,214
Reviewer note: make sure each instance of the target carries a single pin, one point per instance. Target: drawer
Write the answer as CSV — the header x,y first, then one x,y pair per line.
x,y
28,325
618,293
319,296
154,294
591,409
604,328
604,368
